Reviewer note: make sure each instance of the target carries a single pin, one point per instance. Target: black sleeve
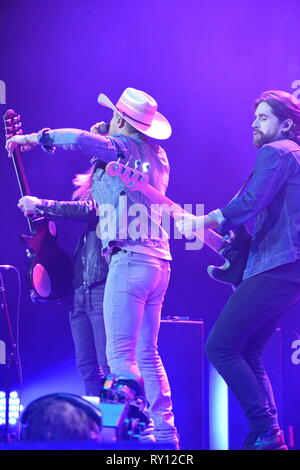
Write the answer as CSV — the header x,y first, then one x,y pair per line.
x,y
78,210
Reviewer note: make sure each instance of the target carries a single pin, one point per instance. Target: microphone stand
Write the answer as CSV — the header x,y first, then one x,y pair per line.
x,y
12,359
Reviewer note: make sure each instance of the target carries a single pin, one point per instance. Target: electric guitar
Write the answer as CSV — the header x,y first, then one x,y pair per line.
x,y
51,269
235,250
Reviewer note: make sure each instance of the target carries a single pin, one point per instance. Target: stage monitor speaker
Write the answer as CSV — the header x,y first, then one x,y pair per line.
x,y
180,345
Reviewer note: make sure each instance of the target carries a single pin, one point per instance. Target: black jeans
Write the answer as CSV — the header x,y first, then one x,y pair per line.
x,y
236,342
88,333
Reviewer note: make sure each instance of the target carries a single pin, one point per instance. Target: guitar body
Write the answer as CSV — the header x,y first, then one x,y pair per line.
x,y
51,269
236,255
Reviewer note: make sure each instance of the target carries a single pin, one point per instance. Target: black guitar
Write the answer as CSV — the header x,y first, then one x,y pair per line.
x,y
51,269
235,250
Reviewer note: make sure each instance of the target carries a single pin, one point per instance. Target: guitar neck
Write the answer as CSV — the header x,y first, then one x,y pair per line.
x,y
13,127
212,239
21,178
20,173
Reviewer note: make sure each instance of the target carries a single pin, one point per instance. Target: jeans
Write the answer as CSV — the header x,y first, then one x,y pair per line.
x,y
236,342
134,293
88,333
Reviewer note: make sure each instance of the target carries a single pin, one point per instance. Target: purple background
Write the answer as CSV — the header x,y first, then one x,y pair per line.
x,y
204,61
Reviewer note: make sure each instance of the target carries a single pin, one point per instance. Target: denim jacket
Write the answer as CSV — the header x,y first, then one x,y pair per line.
x,y
110,192
87,257
273,197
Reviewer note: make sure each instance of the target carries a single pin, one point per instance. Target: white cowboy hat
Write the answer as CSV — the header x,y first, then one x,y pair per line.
x,y
140,110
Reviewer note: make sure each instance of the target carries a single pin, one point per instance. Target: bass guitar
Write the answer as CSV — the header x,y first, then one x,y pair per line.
x,y
51,269
234,250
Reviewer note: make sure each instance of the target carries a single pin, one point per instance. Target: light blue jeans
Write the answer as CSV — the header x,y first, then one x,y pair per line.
x,y
134,293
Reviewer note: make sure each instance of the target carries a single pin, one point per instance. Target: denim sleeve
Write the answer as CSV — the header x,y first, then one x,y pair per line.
x,y
270,173
104,147
77,210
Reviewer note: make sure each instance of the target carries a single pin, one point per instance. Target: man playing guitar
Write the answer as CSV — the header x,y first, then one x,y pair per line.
x,y
271,280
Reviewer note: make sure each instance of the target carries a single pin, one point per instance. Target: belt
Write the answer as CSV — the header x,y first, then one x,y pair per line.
x,y
116,250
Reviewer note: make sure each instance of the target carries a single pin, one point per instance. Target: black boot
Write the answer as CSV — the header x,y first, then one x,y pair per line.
x,y
250,439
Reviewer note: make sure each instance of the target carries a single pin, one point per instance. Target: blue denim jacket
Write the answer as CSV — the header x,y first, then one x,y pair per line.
x,y
110,191
273,197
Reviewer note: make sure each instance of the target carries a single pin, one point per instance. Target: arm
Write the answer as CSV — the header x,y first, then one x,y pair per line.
x,y
77,210
104,147
270,173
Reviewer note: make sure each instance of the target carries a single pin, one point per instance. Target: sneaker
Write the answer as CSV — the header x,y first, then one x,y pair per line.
x,y
270,440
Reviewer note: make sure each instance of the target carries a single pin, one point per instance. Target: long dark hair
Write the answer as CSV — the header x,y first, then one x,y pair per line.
x,y
284,106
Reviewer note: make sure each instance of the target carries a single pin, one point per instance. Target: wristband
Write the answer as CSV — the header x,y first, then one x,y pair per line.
x,y
45,141
217,215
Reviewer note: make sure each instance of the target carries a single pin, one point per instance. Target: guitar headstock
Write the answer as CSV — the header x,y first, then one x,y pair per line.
x,y
12,124
135,180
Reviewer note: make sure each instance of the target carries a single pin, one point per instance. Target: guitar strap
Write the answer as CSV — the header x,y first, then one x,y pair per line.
x,y
242,188
228,235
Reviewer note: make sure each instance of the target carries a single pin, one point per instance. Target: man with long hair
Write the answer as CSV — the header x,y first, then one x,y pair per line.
x,y
133,242
271,280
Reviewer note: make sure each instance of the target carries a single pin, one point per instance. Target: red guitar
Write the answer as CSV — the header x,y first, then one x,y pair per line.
x,y
51,269
235,251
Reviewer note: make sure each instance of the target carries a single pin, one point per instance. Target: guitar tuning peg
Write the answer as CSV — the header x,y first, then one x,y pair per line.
x,y
19,132
145,167
137,163
120,156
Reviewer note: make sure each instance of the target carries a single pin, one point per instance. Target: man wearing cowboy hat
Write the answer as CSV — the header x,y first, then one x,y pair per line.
x,y
139,266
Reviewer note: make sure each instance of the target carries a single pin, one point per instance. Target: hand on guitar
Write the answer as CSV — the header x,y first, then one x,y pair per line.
x,y
28,204
190,225
26,141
